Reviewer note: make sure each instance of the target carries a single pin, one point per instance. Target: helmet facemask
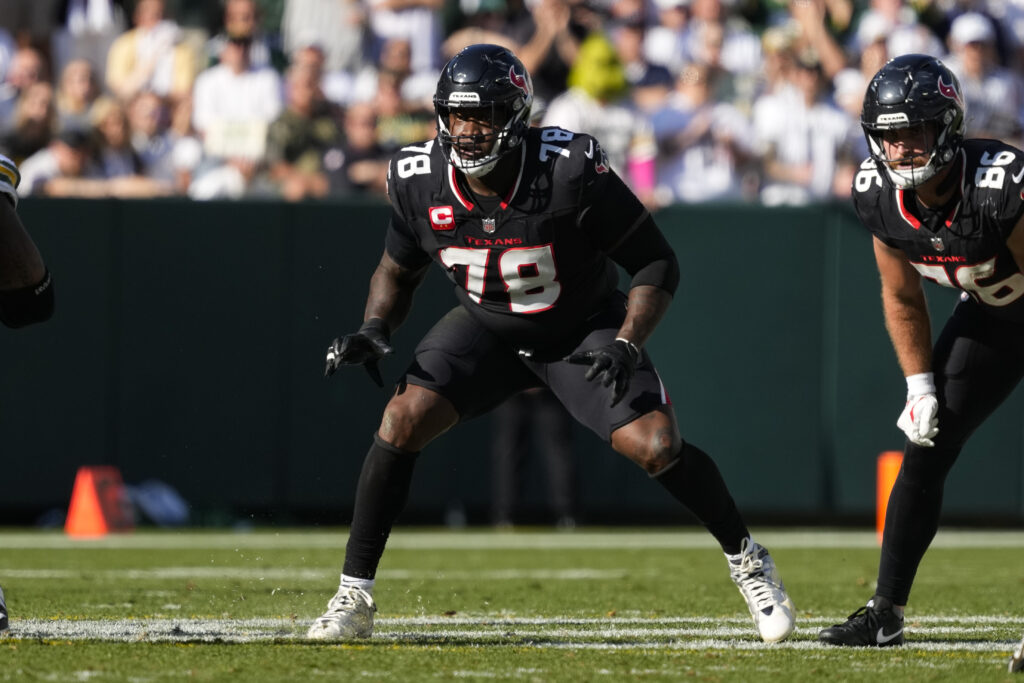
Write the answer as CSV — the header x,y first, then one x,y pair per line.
x,y
477,155
903,171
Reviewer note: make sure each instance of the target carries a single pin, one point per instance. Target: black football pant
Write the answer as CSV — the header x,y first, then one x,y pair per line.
x,y
978,360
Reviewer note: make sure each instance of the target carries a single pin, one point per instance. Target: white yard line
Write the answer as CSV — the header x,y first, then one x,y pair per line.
x,y
412,539
483,631
282,574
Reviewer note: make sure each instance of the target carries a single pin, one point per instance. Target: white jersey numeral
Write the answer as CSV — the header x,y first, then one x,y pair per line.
x,y
475,261
417,165
529,275
1001,293
992,171
549,135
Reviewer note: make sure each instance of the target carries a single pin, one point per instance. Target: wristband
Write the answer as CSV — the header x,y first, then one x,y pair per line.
x,y
921,384
377,325
632,347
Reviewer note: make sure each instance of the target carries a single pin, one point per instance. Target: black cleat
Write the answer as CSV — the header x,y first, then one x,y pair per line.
x,y
1017,660
876,624
3,612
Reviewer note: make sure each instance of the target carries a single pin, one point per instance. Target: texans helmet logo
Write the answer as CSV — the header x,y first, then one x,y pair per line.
x,y
519,80
948,90
601,165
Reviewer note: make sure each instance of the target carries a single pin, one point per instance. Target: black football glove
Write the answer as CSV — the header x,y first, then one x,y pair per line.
x,y
615,364
365,347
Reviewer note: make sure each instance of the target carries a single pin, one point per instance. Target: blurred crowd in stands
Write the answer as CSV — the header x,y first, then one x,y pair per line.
x,y
694,100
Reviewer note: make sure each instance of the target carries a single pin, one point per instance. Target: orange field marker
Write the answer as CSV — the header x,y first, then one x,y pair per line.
x,y
888,468
99,503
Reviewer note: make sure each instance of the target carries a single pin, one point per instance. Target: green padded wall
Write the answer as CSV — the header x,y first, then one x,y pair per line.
x,y
189,337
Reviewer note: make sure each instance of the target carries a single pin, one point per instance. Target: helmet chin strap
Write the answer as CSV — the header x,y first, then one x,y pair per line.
x,y
915,176
476,170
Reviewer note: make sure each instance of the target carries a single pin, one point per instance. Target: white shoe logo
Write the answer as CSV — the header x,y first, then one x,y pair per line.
x,y
882,638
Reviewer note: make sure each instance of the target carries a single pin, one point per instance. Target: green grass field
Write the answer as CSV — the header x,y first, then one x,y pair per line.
x,y
590,605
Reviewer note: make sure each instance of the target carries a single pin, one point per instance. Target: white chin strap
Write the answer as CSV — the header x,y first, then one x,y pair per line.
x,y
908,178
912,177
478,168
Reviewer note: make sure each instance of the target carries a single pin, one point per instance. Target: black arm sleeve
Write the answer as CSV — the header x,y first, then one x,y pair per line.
x,y
648,257
621,227
28,305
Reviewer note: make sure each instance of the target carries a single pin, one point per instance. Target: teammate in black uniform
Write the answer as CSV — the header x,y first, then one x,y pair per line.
x,y
26,290
528,224
949,210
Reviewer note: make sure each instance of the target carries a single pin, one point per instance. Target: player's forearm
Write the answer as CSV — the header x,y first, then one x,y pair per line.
x,y
906,319
646,307
391,293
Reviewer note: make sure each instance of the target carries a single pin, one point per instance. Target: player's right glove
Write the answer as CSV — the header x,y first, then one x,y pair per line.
x,y
365,347
614,363
919,420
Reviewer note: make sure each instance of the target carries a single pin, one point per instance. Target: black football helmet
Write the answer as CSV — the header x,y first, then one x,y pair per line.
x,y
492,81
914,90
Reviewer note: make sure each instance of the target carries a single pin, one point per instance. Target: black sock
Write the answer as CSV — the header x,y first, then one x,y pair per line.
x,y
380,495
694,480
912,516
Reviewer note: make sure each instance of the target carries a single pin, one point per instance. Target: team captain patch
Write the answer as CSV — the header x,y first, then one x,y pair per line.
x,y
442,217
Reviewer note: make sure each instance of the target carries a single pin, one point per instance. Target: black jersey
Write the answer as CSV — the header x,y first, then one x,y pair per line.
x,y
964,245
536,266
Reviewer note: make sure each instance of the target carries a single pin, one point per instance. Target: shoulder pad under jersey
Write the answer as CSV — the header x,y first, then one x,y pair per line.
x,y
415,170
996,170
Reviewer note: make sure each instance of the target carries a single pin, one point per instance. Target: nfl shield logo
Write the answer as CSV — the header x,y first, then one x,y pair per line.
x,y
937,244
488,225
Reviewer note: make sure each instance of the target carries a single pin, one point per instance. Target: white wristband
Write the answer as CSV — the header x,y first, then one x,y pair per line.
x,y
921,384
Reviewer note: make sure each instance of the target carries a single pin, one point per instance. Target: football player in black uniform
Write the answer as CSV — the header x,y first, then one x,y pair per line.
x,y
528,224
26,289
949,210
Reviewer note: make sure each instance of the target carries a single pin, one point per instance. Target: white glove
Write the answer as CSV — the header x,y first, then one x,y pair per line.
x,y
919,420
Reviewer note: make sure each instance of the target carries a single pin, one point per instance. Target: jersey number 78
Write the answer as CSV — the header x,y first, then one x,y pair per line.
x,y
528,274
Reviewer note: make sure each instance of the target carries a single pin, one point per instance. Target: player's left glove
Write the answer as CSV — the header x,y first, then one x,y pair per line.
x,y
919,420
364,347
614,364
